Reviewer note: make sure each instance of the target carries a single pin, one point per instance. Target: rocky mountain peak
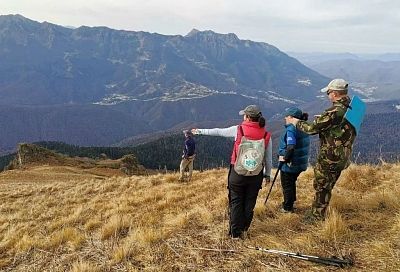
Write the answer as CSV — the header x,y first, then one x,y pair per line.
x,y
192,32
211,36
13,18
16,20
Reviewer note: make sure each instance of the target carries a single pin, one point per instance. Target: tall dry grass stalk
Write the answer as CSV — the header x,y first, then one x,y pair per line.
x,y
383,200
83,266
360,178
25,244
117,226
125,251
334,228
69,236
145,237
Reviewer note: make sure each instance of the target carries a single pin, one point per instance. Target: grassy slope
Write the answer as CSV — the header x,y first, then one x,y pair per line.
x,y
65,219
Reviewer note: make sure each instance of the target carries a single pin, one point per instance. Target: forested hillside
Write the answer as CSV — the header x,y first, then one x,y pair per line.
x,y
211,152
378,140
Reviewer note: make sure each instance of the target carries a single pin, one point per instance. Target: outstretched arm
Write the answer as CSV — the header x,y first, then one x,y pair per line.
x,y
223,132
321,123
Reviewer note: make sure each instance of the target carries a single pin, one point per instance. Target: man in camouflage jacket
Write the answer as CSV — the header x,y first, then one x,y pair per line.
x,y
336,142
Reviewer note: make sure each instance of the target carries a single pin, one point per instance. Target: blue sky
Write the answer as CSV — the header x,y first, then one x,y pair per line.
x,y
357,26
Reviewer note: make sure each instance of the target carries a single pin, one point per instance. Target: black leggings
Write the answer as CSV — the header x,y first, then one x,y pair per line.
x,y
243,192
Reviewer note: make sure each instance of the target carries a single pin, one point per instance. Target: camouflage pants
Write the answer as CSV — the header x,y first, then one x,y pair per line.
x,y
325,180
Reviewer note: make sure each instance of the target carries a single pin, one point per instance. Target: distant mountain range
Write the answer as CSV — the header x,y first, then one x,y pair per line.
x,y
98,86
374,76
311,58
43,63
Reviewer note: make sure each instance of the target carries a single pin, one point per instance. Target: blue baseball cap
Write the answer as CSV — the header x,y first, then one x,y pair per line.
x,y
295,112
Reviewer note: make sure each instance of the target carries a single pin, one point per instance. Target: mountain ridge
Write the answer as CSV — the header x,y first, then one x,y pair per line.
x,y
373,76
140,65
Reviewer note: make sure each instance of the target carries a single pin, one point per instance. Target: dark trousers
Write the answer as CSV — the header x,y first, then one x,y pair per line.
x,y
243,192
288,181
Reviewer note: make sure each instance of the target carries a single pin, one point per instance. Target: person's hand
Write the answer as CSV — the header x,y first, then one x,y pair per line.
x,y
281,158
195,131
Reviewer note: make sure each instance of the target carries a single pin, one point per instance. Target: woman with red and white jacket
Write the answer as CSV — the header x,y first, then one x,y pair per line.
x,y
243,190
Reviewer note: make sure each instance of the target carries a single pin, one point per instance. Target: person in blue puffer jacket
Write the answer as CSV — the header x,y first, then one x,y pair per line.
x,y
293,152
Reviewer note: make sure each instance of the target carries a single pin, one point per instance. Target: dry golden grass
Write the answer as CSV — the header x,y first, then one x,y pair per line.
x,y
334,228
81,266
69,219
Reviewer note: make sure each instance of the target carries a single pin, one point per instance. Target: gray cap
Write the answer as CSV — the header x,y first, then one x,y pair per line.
x,y
251,110
337,84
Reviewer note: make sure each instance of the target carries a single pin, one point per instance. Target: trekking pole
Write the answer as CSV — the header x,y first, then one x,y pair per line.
x,y
272,184
334,261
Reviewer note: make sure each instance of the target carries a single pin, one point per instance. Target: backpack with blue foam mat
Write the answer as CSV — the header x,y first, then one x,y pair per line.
x,y
355,113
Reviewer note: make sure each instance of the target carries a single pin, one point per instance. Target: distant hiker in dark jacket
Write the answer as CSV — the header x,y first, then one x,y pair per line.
x,y
243,190
188,156
293,152
336,136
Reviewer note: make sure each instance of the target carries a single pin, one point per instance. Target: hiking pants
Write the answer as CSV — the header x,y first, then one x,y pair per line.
x,y
325,180
242,194
186,163
288,181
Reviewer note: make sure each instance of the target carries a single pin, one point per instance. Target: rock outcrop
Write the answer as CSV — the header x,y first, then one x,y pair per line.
x,y
29,155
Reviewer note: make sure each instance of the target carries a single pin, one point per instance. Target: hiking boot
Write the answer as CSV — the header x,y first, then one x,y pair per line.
x,y
244,235
234,237
287,211
311,218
